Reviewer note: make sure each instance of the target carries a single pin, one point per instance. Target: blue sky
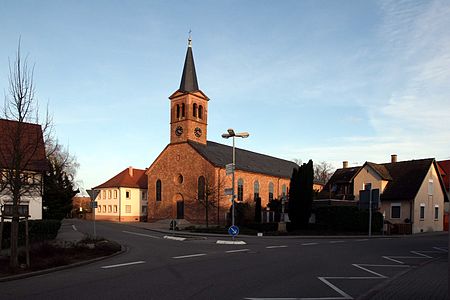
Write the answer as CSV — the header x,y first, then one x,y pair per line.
x,y
322,80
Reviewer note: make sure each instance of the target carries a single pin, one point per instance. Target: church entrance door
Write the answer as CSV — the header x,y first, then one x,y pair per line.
x,y
180,209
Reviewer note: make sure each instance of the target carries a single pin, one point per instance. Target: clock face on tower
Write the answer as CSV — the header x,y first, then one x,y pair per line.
x,y
179,130
197,131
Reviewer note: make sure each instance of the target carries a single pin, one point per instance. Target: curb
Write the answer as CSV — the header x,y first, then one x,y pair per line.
x,y
231,242
55,269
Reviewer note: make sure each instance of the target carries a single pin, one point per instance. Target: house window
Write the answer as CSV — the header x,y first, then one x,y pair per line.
x,y
201,188
104,208
158,190
436,212
144,209
109,208
283,190
115,194
109,194
104,194
128,194
128,209
200,112
240,194
255,189
144,195
422,211
367,186
194,111
270,191
182,110
115,209
430,187
395,211
99,209
178,111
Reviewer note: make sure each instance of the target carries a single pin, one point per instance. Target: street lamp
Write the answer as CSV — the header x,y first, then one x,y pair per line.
x,y
232,134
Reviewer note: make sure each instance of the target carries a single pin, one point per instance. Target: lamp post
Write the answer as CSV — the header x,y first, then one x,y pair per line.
x,y
232,134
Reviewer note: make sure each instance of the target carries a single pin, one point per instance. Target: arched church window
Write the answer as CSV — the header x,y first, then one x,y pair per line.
x,y
200,112
201,192
194,112
178,111
182,110
271,191
240,194
283,190
256,189
158,190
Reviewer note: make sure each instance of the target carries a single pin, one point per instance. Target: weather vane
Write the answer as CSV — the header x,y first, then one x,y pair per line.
x,y
190,38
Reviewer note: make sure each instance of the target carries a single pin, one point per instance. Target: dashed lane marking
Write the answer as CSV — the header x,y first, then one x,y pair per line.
x,y
362,240
309,244
189,256
335,242
74,228
274,247
237,250
124,264
141,234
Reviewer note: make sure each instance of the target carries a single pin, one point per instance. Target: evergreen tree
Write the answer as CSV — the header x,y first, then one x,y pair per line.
x,y
258,210
301,195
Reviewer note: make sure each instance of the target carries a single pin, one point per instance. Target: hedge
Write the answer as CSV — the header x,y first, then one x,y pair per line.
x,y
39,230
347,218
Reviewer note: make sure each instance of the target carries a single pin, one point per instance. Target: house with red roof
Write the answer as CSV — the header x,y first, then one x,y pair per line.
x,y
123,198
22,148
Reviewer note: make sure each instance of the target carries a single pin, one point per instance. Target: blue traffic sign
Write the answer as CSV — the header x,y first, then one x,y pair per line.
x,y
233,230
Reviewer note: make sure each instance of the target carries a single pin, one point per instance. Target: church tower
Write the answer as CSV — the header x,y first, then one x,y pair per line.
x,y
188,106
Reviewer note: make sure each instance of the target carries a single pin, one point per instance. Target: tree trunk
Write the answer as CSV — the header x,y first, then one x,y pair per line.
x,y
14,258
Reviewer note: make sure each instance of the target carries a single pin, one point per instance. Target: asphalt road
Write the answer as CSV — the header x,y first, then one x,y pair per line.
x,y
264,268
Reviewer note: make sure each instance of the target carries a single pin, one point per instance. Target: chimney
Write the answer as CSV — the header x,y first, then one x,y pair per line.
x,y
393,158
345,164
130,171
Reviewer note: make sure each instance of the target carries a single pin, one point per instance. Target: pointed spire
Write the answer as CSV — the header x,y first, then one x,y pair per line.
x,y
189,77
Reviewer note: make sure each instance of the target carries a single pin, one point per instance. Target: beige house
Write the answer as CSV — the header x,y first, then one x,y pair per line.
x,y
412,193
123,198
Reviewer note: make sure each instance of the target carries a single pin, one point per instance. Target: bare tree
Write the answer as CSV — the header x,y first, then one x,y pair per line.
x,y
22,144
298,161
323,171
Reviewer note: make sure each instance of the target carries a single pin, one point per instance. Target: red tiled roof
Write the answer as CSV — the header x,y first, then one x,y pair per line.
x,y
138,179
445,166
31,144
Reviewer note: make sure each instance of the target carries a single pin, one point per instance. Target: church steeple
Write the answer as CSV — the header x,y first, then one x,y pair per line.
x,y
189,78
188,106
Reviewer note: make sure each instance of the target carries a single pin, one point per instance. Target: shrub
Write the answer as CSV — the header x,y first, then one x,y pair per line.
x,y
347,218
39,231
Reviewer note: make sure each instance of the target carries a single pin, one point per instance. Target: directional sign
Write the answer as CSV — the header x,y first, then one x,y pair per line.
x,y
229,191
233,230
93,194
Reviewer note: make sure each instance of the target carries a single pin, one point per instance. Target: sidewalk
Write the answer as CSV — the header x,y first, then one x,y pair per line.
x,y
429,281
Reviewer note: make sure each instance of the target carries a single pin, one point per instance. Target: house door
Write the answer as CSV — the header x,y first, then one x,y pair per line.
x,y
180,209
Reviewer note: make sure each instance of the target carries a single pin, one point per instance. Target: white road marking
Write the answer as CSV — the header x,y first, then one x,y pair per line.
x,y
309,244
74,228
237,250
188,256
394,260
335,242
124,264
231,242
141,234
175,238
362,240
441,249
273,247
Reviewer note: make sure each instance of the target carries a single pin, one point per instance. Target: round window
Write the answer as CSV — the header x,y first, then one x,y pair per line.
x,y
180,179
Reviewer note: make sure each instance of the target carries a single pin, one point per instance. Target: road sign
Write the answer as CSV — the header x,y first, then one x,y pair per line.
x,y
94,204
229,191
233,230
229,168
93,194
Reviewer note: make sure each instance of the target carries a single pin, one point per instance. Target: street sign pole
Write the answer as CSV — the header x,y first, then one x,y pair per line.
x,y
370,212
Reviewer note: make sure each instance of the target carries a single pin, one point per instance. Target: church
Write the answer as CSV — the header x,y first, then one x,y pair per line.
x,y
188,179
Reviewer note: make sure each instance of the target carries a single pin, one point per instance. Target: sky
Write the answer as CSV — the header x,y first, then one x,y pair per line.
x,y
322,80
